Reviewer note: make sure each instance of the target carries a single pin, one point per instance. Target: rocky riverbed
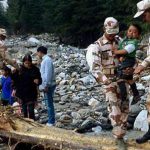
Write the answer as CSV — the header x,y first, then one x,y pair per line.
x,y
79,101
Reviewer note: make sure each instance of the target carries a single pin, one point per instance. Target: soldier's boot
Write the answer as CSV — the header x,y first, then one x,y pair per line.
x,y
136,95
118,132
130,121
145,137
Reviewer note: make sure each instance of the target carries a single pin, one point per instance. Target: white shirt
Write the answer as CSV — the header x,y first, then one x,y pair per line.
x,y
130,48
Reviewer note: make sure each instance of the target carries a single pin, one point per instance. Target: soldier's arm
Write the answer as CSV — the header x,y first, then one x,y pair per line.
x,y
94,61
6,57
143,65
146,62
126,50
120,52
10,61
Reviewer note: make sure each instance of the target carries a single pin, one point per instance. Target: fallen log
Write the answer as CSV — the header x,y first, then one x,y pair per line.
x,y
28,131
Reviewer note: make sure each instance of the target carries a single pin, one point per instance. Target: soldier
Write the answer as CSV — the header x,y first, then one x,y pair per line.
x,y
2,37
4,56
143,8
2,45
102,65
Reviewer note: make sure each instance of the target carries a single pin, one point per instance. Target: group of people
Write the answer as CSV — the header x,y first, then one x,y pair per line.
x,y
23,81
112,61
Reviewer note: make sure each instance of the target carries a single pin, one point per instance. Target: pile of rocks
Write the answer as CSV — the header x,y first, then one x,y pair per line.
x,y
79,100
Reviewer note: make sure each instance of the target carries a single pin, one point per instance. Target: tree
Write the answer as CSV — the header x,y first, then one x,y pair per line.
x,y
3,20
13,12
25,16
31,16
81,22
76,22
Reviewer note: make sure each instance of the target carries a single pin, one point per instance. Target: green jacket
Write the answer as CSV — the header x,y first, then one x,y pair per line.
x,y
126,42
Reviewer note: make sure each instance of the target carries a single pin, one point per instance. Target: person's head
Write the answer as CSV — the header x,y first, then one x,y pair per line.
x,y
111,28
6,71
2,34
134,31
41,51
143,9
27,61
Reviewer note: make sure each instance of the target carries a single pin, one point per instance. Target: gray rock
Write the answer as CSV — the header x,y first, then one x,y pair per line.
x,y
84,112
76,115
65,119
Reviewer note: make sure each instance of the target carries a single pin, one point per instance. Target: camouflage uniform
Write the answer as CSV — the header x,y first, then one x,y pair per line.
x,y
2,52
143,10
102,65
145,64
4,56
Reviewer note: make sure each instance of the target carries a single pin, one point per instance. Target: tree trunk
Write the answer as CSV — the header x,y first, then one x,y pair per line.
x,y
25,130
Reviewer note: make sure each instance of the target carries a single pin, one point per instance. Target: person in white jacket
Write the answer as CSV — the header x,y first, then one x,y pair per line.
x,y
143,8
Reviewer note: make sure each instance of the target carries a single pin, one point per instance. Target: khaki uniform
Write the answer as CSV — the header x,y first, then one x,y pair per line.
x,y
102,65
145,64
4,56
2,53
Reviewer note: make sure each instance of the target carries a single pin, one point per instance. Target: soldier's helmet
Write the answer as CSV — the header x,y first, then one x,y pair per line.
x,y
111,25
141,7
3,32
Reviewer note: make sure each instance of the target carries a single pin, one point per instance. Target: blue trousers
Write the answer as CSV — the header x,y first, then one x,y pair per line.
x,y
48,97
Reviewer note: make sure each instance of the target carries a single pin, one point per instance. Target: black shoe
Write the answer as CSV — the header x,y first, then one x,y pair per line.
x,y
135,100
129,126
143,139
106,126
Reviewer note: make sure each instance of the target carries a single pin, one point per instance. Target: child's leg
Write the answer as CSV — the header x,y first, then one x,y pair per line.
x,y
123,90
135,92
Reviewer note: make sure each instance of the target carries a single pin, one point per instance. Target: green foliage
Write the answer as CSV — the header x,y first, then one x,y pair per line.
x,y
13,12
25,16
3,19
76,22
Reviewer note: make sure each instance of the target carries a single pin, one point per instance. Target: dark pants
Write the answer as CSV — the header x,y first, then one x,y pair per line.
x,y
123,91
126,63
5,102
28,110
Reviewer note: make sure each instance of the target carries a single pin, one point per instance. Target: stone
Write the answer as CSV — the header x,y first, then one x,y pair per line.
x,y
76,115
65,119
84,112
93,102
62,102
97,130
64,98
